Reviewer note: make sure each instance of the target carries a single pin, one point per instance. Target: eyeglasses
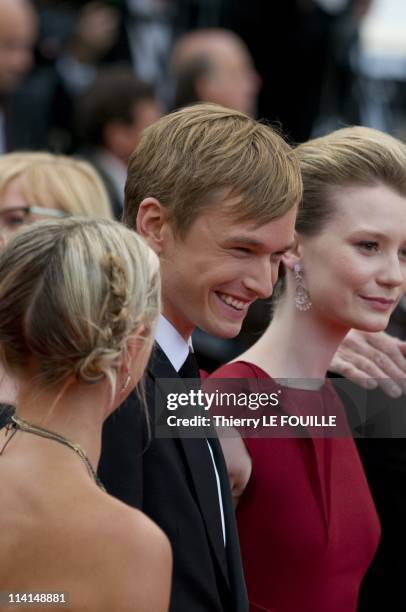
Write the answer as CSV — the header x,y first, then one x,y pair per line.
x,y
14,217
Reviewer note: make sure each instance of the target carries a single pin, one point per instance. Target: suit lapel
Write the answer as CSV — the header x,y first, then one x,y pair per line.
x,y
200,464
197,454
233,552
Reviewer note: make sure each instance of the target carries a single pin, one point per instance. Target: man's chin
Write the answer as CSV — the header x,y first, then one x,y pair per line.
x,y
226,331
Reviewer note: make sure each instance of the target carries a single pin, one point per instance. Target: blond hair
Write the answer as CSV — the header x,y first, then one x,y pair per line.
x,y
71,293
56,181
352,156
201,154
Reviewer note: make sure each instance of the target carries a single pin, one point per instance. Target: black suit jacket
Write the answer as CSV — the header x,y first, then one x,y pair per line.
x,y
173,482
383,454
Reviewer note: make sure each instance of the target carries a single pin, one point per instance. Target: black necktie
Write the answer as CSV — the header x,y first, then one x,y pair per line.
x,y
189,369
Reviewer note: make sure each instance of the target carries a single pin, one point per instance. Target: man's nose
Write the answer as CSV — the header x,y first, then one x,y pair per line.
x,y
261,278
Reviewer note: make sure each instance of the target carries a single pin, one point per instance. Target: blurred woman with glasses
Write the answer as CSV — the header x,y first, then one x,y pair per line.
x,y
35,186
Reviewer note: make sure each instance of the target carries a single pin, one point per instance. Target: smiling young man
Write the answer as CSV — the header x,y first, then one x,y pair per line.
x,y
214,193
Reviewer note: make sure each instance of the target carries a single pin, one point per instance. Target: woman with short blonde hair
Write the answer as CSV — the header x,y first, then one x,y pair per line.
x,y
39,185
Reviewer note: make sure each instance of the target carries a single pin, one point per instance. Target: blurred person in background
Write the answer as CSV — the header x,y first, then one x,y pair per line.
x,y
92,30
35,186
293,44
77,38
214,65
381,66
18,29
98,33
110,118
77,354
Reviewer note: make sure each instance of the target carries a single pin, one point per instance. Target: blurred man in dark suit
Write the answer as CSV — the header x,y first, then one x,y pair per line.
x,y
214,65
111,116
17,36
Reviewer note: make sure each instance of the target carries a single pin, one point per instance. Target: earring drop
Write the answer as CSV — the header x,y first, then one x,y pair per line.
x,y
302,297
126,382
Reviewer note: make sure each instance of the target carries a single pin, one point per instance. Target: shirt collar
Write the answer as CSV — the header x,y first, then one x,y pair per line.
x,y
171,342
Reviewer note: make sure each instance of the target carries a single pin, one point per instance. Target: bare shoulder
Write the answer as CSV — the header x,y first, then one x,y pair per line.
x,y
103,554
137,564
141,535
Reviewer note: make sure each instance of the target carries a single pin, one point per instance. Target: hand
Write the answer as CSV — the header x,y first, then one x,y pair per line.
x,y
371,360
238,461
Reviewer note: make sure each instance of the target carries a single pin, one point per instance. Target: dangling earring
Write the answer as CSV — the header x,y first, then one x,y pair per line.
x,y
126,382
302,297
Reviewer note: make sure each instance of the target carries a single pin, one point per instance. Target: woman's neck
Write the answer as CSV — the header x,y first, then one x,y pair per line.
x,y
296,345
77,414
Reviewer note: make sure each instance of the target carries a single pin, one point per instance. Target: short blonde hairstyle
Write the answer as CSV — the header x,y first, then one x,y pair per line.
x,y
201,154
71,293
57,181
352,156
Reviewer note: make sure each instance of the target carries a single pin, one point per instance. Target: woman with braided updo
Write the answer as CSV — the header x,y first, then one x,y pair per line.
x,y
79,300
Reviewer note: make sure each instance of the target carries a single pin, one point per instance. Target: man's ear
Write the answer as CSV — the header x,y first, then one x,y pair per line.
x,y
150,223
294,255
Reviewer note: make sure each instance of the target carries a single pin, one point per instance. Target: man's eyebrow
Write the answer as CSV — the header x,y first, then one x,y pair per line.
x,y
253,242
286,248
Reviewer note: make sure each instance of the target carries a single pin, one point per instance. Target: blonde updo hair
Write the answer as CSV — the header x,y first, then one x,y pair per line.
x,y
71,293
352,156
57,181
